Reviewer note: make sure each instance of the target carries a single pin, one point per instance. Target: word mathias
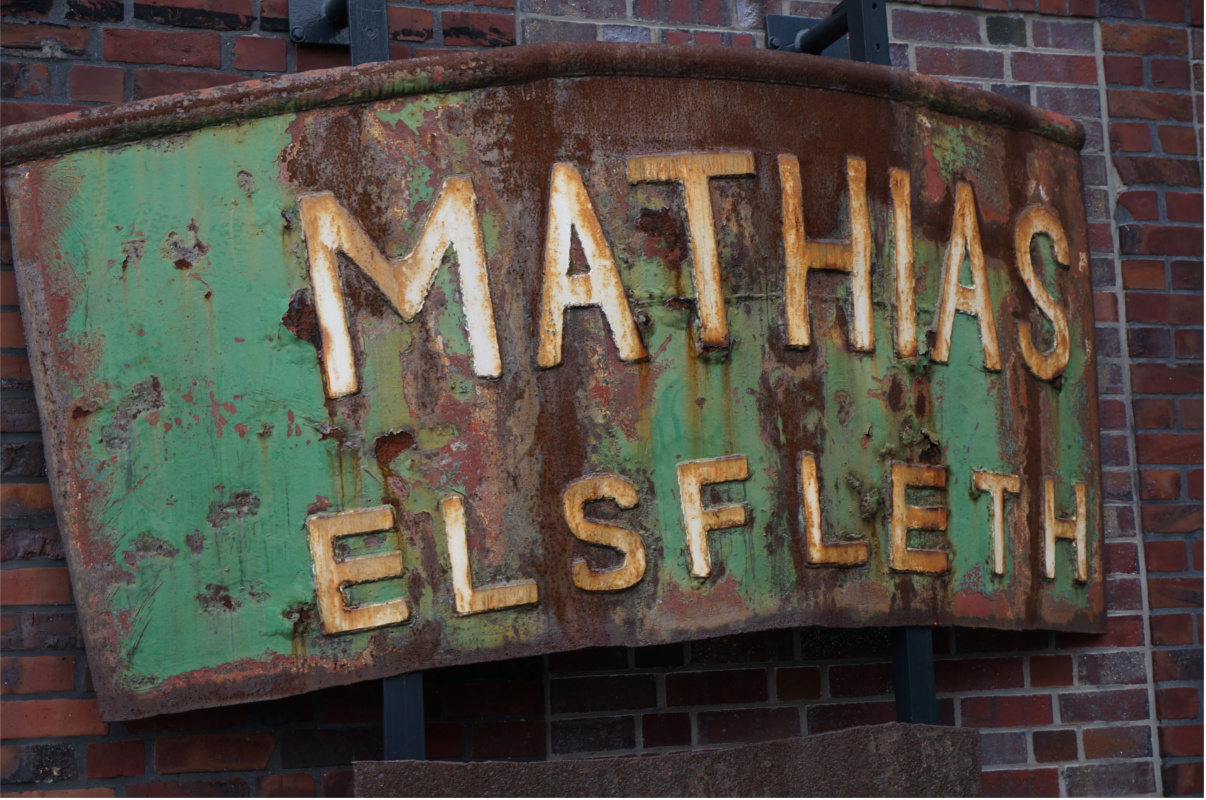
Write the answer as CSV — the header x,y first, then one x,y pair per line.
x,y
453,223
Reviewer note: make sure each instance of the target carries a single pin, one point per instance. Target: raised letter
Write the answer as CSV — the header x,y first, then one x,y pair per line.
x,y
1031,222
975,299
902,231
600,487
404,281
692,476
471,600
1071,529
997,485
803,255
570,209
906,518
332,575
842,554
693,170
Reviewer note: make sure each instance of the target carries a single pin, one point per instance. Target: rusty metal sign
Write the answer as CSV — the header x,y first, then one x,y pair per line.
x,y
373,370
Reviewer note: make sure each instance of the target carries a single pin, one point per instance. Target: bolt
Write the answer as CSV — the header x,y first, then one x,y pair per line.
x,y
297,33
773,42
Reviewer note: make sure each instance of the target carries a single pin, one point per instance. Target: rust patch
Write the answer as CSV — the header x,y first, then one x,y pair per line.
x,y
185,250
237,505
217,599
144,397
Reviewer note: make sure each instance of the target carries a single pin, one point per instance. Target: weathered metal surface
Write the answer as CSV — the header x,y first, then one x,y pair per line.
x,y
667,382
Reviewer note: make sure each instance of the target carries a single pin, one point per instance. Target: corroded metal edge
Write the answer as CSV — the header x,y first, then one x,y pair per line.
x,y
514,65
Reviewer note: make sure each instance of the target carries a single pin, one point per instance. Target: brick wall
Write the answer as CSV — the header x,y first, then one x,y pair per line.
x,y
1059,714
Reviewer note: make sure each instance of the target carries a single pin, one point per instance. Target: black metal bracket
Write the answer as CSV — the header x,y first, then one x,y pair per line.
x,y
855,29
363,24
913,675
404,722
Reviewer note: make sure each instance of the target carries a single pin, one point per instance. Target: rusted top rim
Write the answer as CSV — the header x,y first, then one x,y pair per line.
x,y
514,65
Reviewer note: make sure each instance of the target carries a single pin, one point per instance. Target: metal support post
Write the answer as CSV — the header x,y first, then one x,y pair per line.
x,y
855,29
362,24
405,737
913,675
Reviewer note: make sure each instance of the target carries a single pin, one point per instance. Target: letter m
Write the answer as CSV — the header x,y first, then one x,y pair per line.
x,y
405,281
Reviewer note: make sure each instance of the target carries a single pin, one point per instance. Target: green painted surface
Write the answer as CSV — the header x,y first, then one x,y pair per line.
x,y
197,438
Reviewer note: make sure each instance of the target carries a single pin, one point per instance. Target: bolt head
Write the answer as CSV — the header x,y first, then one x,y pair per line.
x,y
297,33
773,43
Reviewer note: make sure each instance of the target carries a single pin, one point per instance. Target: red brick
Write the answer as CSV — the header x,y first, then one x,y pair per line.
x,y
1157,169
1105,307
1170,73
1141,205
1168,448
1180,664
1180,740
1125,631
158,82
960,62
97,792
716,687
318,56
1169,556
118,759
183,49
836,716
951,27
1112,414
261,53
37,719
1159,484
220,15
1183,779
1178,140
35,586
35,674
1050,671
410,24
15,113
478,29
1020,783
96,10
1006,712
1126,70
200,719
1159,106
978,674
666,730
1051,68
1183,206
1180,702
1190,412
1155,412
8,288
1118,741
18,80
1164,10
1175,592
1103,706
97,84
290,784
1172,629
860,680
213,752
748,725
1187,344
1177,379
47,40
1051,746
338,783
444,739
1125,779
1099,669
1131,137
1145,40
797,683
232,787
11,334
508,739
598,693
1121,557
676,37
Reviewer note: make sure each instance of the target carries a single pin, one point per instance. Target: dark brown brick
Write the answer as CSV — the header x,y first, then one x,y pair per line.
x,y
666,730
1020,783
182,49
291,784
1051,746
213,752
595,734
261,53
157,82
96,10
1126,779
219,15
410,24
508,739
118,759
232,787
478,29
596,693
716,688
748,725
1103,706
94,84
47,40
743,648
